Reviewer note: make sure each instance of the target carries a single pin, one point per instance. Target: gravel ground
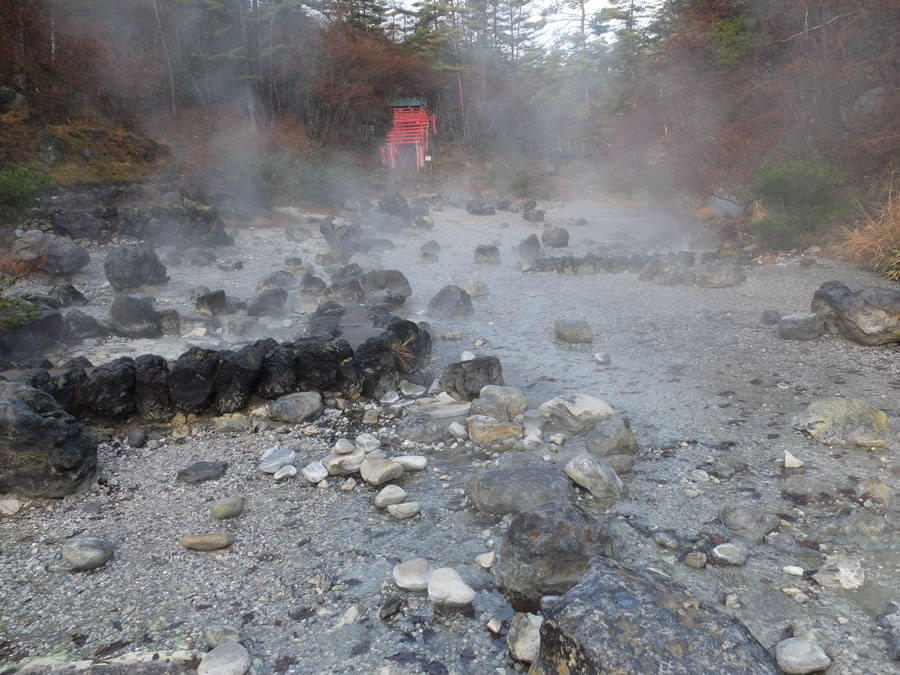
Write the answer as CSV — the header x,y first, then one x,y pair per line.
x,y
703,382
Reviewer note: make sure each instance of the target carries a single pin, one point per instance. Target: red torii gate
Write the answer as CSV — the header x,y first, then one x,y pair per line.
x,y
412,125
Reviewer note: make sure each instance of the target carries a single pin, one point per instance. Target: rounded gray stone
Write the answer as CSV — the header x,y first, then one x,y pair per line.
x,y
228,507
798,656
229,658
86,552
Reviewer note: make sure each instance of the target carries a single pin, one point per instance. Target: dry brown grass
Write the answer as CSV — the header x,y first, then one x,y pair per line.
x,y
405,355
874,237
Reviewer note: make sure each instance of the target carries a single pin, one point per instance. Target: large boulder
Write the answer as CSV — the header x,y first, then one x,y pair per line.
x,y
547,549
303,406
464,380
390,286
719,274
192,379
623,620
269,302
555,237
134,317
867,315
44,452
59,256
613,441
77,224
450,302
109,390
530,247
501,403
487,254
27,325
575,414
841,421
129,267
80,326
515,489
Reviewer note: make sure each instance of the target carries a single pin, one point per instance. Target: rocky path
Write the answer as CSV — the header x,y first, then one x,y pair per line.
x,y
711,393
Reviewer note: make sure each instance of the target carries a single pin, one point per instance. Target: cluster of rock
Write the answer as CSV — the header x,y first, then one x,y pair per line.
x,y
60,453
867,315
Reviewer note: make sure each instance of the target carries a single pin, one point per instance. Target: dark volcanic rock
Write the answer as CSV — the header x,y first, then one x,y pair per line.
x,y
51,254
464,380
151,387
515,489
555,237
237,376
664,271
547,549
68,295
324,365
346,238
28,327
109,390
450,302
867,315
421,428
486,254
268,303
476,207
276,375
134,317
131,267
278,279
192,379
411,343
383,284
397,206
212,303
534,216
312,284
44,452
530,247
80,326
66,389
199,472
184,223
345,289
77,224
622,620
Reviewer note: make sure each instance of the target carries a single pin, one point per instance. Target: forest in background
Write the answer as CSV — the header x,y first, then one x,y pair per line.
x,y
792,108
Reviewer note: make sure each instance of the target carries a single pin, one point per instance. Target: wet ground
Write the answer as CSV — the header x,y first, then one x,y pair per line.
x,y
704,383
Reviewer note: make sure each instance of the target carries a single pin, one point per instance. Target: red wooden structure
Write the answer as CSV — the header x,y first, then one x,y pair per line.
x,y
412,126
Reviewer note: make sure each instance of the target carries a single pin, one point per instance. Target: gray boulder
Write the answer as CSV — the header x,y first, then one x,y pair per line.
x,y
719,274
801,326
303,406
613,441
450,302
623,620
385,285
134,317
530,247
129,267
486,254
268,303
59,256
574,331
501,403
840,421
555,237
511,490
44,451
108,391
77,224
80,326
547,549
867,315
464,380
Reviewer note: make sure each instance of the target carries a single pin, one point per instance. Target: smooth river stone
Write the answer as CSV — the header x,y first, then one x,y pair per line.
x,y
229,507
208,542
87,553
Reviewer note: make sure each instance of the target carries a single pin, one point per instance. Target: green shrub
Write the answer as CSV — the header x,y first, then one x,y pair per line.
x,y
15,311
20,184
804,196
889,265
